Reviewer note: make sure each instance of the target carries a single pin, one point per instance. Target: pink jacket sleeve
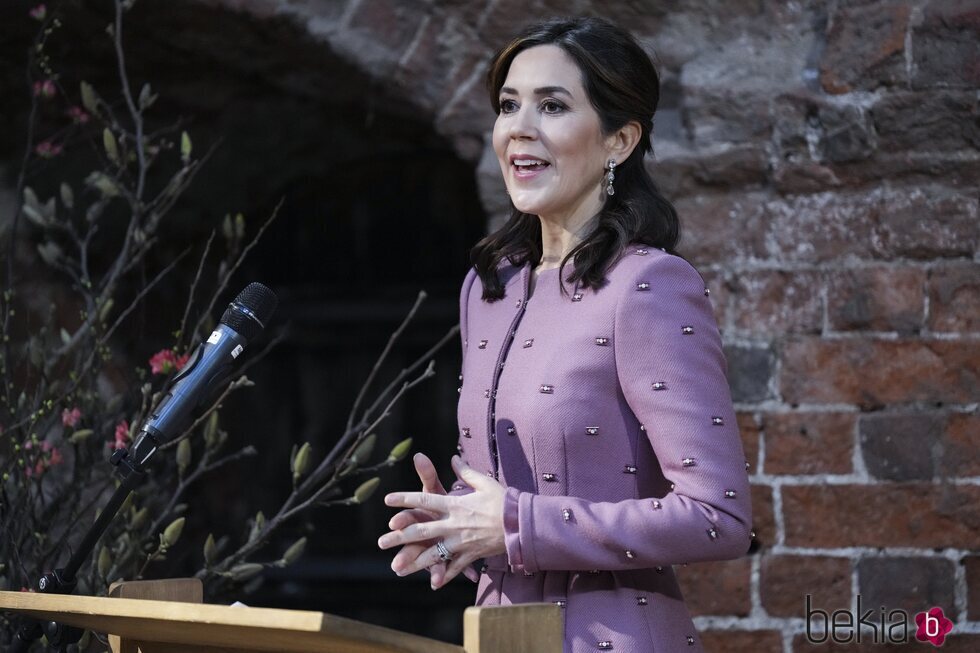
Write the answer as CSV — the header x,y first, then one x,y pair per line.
x,y
673,375
460,488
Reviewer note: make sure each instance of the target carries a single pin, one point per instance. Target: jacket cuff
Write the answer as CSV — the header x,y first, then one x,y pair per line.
x,y
512,535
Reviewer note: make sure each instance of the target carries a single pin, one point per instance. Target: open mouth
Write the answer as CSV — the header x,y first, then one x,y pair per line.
x,y
528,167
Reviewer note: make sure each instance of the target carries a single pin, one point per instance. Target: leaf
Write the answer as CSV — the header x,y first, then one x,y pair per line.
x,y
365,490
293,553
80,436
65,336
185,147
89,98
400,450
103,183
302,462
245,571
172,533
211,430
67,196
109,143
147,98
50,253
227,230
239,226
105,561
138,517
364,450
183,456
210,550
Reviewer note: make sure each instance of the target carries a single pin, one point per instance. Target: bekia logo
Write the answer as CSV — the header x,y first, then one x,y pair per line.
x,y
933,626
844,626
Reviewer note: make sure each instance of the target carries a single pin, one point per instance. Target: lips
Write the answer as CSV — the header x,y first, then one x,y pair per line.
x,y
526,166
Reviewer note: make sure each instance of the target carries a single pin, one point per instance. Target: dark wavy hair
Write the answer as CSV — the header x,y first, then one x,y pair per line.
x,y
622,85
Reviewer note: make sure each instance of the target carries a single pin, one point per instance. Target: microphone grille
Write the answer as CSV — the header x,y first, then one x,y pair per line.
x,y
250,311
258,299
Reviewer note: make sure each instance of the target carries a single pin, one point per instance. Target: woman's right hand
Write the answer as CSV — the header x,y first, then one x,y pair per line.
x,y
432,485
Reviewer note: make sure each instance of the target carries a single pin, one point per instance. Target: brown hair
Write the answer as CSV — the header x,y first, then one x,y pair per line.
x,y
622,85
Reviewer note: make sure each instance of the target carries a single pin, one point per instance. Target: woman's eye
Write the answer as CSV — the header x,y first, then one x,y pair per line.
x,y
552,106
507,106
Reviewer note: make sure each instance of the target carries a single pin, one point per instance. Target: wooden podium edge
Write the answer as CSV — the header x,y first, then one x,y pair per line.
x,y
204,625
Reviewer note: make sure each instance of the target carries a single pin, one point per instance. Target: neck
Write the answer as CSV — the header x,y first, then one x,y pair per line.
x,y
561,233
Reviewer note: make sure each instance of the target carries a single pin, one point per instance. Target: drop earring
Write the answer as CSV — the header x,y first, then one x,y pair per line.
x,y
610,176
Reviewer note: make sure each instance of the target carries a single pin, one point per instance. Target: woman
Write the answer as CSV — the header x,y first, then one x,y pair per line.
x,y
598,441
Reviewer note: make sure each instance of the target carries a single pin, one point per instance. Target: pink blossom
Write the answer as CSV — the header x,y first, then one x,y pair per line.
x,y
50,456
47,149
70,418
40,12
122,435
77,115
45,89
166,361
56,457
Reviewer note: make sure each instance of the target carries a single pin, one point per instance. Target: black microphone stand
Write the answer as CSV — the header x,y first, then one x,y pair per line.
x,y
129,467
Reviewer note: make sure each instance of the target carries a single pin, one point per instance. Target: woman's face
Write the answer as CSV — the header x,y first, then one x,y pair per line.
x,y
548,137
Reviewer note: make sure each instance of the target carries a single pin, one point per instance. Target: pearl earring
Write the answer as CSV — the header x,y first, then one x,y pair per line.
x,y
610,176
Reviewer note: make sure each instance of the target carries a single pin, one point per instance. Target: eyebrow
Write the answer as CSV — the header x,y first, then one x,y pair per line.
x,y
544,90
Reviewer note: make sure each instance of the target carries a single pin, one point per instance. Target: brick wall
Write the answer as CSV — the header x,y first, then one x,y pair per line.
x,y
823,157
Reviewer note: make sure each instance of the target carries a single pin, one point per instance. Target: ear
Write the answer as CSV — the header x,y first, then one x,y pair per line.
x,y
621,143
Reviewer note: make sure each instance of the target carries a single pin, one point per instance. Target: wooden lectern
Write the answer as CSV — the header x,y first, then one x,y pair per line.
x,y
167,617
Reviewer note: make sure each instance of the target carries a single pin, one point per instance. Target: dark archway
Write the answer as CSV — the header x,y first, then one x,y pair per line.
x,y
376,206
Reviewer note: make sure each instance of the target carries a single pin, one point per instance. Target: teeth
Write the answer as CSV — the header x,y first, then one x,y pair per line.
x,y
528,162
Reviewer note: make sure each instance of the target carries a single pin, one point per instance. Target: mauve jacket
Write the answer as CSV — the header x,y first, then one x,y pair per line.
x,y
608,416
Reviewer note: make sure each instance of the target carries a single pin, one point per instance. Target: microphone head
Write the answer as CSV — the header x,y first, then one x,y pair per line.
x,y
251,310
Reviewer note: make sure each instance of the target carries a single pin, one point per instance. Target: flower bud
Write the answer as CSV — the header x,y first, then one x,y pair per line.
x,y
172,533
400,450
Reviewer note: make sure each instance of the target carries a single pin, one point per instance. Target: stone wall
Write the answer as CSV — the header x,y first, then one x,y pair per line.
x,y
823,157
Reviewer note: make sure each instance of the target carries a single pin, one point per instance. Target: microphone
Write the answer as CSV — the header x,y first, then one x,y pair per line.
x,y
207,369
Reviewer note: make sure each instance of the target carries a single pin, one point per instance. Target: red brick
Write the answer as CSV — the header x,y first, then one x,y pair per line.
x,y
912,584
715,226
972,564
809,442
901,446
926,121
944,45
748,428
924,223
787,579
808,228
961,445
876,298
740,641
763,522
865,47
954,298
872,373
720,588
885,514
777,301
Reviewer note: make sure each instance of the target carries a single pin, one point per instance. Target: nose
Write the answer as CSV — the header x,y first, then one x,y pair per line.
x,y
523,124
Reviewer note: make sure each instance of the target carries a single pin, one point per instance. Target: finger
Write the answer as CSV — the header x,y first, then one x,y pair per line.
x,y
436,573
427,501
424,560
429,530
453,569
406,556
470,476
428,475
472,573
411,516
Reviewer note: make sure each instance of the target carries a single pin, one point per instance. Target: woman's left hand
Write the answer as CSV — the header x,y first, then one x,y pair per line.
x,y
470,526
